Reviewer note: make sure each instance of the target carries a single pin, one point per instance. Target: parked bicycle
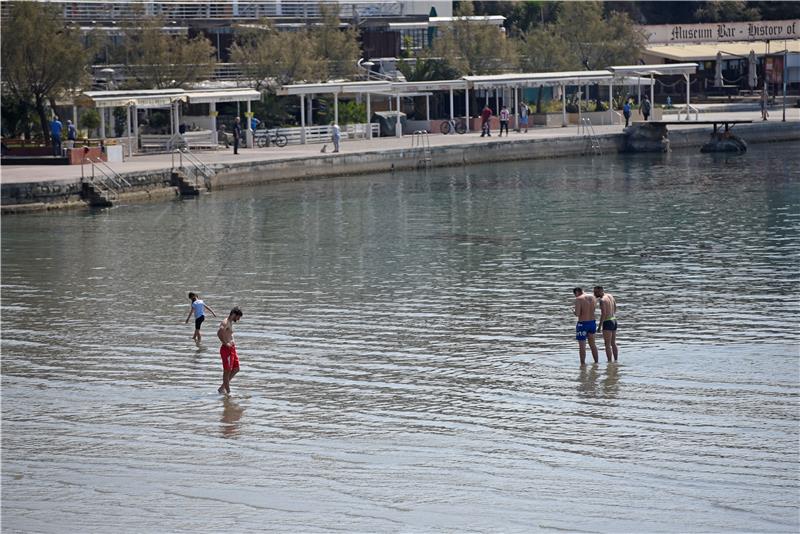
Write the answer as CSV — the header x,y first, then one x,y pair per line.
x,y
264,139
457,125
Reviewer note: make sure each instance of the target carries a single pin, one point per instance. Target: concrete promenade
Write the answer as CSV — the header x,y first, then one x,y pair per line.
x,y
300,157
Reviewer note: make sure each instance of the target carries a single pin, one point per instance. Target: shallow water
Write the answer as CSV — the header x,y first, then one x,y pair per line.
x,y
408,354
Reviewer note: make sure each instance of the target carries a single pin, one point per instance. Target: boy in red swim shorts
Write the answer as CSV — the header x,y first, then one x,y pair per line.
x,y
230,361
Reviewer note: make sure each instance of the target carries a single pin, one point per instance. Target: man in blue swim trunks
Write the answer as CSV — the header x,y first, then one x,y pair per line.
x,y
584,307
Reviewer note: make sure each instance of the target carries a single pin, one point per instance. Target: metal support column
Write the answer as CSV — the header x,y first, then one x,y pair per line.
x,y
652,93
212,112
398,129
249,130
302,119
563,106
369,114
466,106
336,108
135,112
451,103
686,77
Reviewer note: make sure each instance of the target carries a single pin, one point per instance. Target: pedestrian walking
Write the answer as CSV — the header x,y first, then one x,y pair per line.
x,y
486,116
336,135
55,135
626,112
230,360
504,115
764,102
198,307
72,134
237,134
523,117
645,108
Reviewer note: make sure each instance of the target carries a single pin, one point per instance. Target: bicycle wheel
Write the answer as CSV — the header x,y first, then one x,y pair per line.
x,y
461,128
261,141
445,127
281,140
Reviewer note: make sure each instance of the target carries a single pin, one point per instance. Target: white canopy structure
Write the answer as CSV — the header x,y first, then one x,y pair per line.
x,y
684,69
165,98
626,75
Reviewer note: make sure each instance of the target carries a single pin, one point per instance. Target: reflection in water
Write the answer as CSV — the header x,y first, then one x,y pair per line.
x,y
610,381
408,358
231,414
587,380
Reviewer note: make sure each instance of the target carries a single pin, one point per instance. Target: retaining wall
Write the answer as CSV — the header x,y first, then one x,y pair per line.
x,y
156,184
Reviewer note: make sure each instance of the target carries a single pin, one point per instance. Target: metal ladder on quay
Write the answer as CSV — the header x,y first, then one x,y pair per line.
x,y
103,186
194,166
421,145
590,137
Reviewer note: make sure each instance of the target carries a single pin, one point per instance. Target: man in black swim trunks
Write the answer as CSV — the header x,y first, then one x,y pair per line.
x,y
608,321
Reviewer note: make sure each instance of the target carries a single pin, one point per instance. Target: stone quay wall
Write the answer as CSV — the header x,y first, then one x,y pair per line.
x,y
156,185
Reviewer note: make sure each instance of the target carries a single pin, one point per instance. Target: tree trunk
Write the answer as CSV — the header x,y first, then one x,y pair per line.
x,y
43,119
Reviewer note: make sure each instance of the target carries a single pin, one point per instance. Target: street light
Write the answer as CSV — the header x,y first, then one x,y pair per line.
x,y
366,66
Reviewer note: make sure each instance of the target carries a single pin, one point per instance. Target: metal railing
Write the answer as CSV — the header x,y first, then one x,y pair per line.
x,y
197,165
421,145
688,108
103,177
587,130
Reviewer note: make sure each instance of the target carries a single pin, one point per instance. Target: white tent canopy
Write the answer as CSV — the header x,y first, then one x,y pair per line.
x,y
667,69
165,98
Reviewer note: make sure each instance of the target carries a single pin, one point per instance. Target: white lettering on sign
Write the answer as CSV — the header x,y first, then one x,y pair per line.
x,y
718,32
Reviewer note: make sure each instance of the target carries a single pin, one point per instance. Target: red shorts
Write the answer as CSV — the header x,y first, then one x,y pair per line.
x,y
230,360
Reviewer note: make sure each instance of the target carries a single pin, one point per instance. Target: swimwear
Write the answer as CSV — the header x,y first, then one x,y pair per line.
x,y
584,328
610,324
230,360
199,321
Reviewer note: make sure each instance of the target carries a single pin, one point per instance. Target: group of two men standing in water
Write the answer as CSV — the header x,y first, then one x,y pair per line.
x,y
584,309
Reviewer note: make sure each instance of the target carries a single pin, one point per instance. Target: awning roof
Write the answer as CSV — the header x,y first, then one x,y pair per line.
x,y
153,98
623,75
539,78
657,70
342,87
159,98
222,95
708,51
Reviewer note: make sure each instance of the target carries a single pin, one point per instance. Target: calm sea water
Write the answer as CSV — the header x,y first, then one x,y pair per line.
x,y
408,354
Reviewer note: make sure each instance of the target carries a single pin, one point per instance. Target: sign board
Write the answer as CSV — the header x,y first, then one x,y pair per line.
x,y
765,30
774,69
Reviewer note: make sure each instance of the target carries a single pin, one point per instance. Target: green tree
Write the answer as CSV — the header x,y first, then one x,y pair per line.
x,y
594,41
472,48
90,120
160,60
425,68
270,58
543,49
337,47
41,57
729,11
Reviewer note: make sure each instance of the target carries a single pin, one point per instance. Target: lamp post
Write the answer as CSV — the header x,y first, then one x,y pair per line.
x,y
366,66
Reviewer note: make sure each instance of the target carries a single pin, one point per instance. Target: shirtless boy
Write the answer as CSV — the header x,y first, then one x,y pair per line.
x,y
586,327
608,321
230,361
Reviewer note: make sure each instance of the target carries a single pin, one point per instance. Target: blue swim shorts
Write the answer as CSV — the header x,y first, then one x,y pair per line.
x,y
584,328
